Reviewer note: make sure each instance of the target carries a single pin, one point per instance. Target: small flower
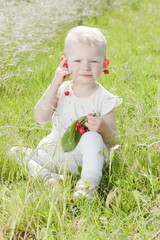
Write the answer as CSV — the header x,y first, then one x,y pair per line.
x,y
66,93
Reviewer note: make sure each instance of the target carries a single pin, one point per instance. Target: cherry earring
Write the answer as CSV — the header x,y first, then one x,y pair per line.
x,y
106,71
107,62
65,65
105,65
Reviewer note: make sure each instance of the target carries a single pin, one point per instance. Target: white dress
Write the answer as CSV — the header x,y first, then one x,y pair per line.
x,y
71,107
49,153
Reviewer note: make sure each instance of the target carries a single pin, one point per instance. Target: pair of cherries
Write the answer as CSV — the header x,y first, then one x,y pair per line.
x,y
81,129
65,65
105,65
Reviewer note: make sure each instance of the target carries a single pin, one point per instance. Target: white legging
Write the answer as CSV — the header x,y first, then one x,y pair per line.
x,y
49,157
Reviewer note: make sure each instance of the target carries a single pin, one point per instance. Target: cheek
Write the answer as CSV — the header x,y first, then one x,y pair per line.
x,y
72,68
98,70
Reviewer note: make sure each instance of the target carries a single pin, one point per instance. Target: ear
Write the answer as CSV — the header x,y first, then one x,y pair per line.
x,y
105,63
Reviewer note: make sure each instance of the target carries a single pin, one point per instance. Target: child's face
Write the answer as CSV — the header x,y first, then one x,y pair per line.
x,y
86,63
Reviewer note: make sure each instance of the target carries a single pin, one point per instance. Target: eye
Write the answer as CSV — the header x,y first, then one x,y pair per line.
x,y
94,61
77,60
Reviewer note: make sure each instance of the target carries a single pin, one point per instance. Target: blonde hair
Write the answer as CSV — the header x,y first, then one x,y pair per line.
x,y
87,36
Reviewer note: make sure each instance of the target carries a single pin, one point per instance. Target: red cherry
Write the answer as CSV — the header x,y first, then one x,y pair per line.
x,y
82,130
78,125
66,93
65,65
106,71
107,62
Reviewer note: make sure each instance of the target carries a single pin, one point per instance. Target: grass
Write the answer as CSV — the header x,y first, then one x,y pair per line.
x,y
128,203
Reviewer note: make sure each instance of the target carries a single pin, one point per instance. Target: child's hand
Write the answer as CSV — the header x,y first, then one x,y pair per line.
x,y
94,123
61,72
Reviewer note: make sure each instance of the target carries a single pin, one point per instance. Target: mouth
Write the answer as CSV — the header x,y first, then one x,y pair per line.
x,y
86,75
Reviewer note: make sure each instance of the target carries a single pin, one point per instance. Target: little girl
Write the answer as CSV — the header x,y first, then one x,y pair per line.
x,y
84,61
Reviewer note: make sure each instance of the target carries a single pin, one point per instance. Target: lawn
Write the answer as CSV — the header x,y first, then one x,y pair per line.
x,y
128,203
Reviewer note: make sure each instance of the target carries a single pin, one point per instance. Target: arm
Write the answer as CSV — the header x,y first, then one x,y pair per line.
x,y
47,104
106,126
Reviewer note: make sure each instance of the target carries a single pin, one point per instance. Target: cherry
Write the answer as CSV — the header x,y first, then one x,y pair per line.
x,y
66,93
107,62
106,71
65,65
78,125
82,130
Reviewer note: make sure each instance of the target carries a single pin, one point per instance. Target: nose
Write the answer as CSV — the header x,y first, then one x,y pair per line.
x,y
86,65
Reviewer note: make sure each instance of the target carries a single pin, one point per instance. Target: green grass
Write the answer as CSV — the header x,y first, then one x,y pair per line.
x,y
128,203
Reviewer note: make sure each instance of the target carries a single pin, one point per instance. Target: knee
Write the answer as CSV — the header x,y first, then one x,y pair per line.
x,y
91,140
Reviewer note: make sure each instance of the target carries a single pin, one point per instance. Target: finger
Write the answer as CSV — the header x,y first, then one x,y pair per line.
x,y
67,73
91,119
91,127
92,114
92,122
87,124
